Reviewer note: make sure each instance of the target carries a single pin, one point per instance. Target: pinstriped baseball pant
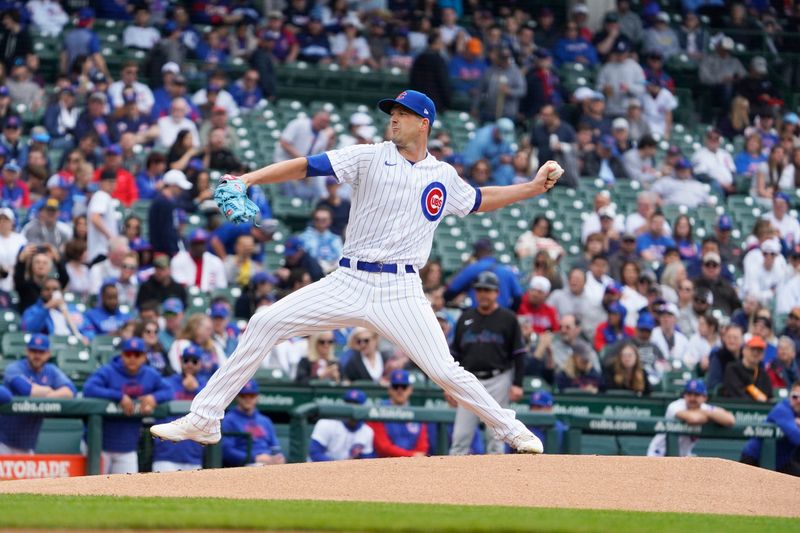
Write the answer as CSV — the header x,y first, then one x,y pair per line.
x,y
393,305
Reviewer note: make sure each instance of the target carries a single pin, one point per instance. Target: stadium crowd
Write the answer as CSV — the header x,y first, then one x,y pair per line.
x,y
644,297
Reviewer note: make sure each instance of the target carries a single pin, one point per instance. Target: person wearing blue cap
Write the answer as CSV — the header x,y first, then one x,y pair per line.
x,y
296,257
786,415
33,377
542,402
14,192
130,382
614,329
261,446
320,242
692,410
225,334
261,284
402,194
197,267
787,225
400,439
337,440
223,239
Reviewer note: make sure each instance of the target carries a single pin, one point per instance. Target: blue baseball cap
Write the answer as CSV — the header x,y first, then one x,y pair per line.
x,y
251,387
199,235
114,149
13,122
219,310
725,223
355,396
607,142
613,288
292,246
139,245
682,163
616,308
3,90
646,321
780,195
196,164
13,166
192,350
414,101
134,344
173,305
41,137
39,341
263,277
400,377
542,398
696,386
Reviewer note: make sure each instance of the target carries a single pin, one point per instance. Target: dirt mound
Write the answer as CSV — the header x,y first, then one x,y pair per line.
x,y
592,482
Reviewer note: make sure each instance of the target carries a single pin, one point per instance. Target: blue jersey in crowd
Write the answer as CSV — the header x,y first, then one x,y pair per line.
x,y
260,428
22,431
657,245
186,451
783,416
510,289
111,382
100,321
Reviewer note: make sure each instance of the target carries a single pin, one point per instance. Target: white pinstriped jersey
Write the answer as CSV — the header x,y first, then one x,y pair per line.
x,y
396,205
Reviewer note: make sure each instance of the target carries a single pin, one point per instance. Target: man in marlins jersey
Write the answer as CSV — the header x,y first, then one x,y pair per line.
x,y
400,193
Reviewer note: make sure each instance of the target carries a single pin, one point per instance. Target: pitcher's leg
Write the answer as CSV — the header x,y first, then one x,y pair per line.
x,y
329,303
409,322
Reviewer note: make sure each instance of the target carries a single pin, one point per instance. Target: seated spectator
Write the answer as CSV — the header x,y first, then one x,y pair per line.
x,y
184,455
241,266
693,410
604,162
198,267
47,16
683,188
637,221
578,372
95,119
574,48
661,38
127,281
140,35
684,240
148,330
313,43
351,50
111,266
538,238
160,285
614,329
492,143
737,122
697,356
502,86
763,279
625,372
399,439
11,243
34,266
510,290
751,161
764,185
336,440
149,179
545,266
597,280
638,125
669,340
721,71
11,139
23,89
32,377
212,50
573,299
653,359
543,317
640,163
197,331
693,36
320,241
725,297
262,447
746,378
14,192
246,91
106,318
297,260
467,68
548,125
170,125
368,363
320,363
129,381
651,245
172,311
226,334
620,79
632,296
787,225
783,370
125,184
715,162
785,415
61,117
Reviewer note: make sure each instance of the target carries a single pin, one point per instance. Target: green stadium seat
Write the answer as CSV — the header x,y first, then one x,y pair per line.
x,y
13,343
76,362
104,347
9,321
60,435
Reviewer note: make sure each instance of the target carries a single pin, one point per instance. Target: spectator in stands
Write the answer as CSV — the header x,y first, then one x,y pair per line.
x,y
262,447
538,238
198,267
660,37
303,136
129,381
640,162
149,180
199,331
502,87
510,292
127,281
285,47
746,377
11,243
466,69
240,267
95,119
784,371
786,415
106,318
349,48
369,363
619,79
129,79
102,220
61,117
764,278
543,316
552,137
638,125
47,16
172,310
625,372
593,106
161,213
692,36
682,189
492,142
699,304
779,217
671,342
658,103
573,299
320,363
756,86
320,242
789,292
160,285
607,37
725,297
398,439
653,359
765,184
14,192
637,222
296,258
629,274
693,410
614,329
246,91
171,125
313,43
46,228
35,264
140,35
651,245
49,314
547,32
15,41
597,279
720,71
574,48
225,334
336,440
242,42
148,330
23,89
36,378
698,352
125,185
604,162
762,327
578,370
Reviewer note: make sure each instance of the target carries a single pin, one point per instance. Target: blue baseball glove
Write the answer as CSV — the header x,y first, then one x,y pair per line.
x,y
231,197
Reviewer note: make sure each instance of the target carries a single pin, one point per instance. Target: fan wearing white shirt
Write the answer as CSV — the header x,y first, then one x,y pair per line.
x,y
715,161
11,243
172,124
140,34
779,217
669,340
198,267
763,278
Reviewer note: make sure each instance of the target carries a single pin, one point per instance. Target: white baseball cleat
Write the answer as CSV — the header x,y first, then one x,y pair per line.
x,y
527,443
183,429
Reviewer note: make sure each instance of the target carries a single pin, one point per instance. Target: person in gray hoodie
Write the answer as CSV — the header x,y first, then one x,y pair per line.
x,y
620,79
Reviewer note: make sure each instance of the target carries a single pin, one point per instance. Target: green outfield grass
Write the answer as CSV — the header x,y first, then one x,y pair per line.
x,y
30,511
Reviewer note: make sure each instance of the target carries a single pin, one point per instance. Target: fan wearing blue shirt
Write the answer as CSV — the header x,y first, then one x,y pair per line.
x,y
651,246
257,443
107,318
510,294
36,378
129,381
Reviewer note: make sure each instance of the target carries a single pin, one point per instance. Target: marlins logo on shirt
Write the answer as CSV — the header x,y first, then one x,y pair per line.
x,y
433,199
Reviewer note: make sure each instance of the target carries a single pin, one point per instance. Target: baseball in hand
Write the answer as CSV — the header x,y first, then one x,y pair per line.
x,y
553,174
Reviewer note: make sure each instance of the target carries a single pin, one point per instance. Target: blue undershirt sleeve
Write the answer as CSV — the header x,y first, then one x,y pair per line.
x,y
319,165
478,200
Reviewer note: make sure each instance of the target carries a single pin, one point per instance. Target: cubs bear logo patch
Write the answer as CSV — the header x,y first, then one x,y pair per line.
x,y
433,199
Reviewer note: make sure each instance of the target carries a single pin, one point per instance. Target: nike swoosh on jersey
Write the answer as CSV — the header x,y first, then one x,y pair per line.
x,y
389,164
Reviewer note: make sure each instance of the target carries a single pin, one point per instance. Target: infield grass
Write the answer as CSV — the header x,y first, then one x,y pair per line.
x,y
105,512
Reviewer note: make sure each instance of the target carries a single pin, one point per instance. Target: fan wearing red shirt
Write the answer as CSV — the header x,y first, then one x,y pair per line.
x,y
126,190
400,439
543,316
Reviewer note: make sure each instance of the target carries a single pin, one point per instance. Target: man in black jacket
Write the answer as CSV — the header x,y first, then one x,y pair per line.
x,y
488,342
429,73
746,378
160,286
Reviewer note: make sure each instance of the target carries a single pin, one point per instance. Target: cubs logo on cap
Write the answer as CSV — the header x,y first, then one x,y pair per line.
x,y
414,101
355,396
134,344
39,341
433,199
696,386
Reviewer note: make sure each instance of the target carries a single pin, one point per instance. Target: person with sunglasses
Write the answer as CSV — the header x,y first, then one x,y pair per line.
x,y
763,278
725,297
367,362
785,415
148,330
186,455
320,363
400,439
137,388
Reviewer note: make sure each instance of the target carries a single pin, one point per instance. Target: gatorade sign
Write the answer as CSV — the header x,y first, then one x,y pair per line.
x,y
41,466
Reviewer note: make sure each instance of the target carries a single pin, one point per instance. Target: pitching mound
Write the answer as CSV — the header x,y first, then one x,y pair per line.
x,y
592,482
